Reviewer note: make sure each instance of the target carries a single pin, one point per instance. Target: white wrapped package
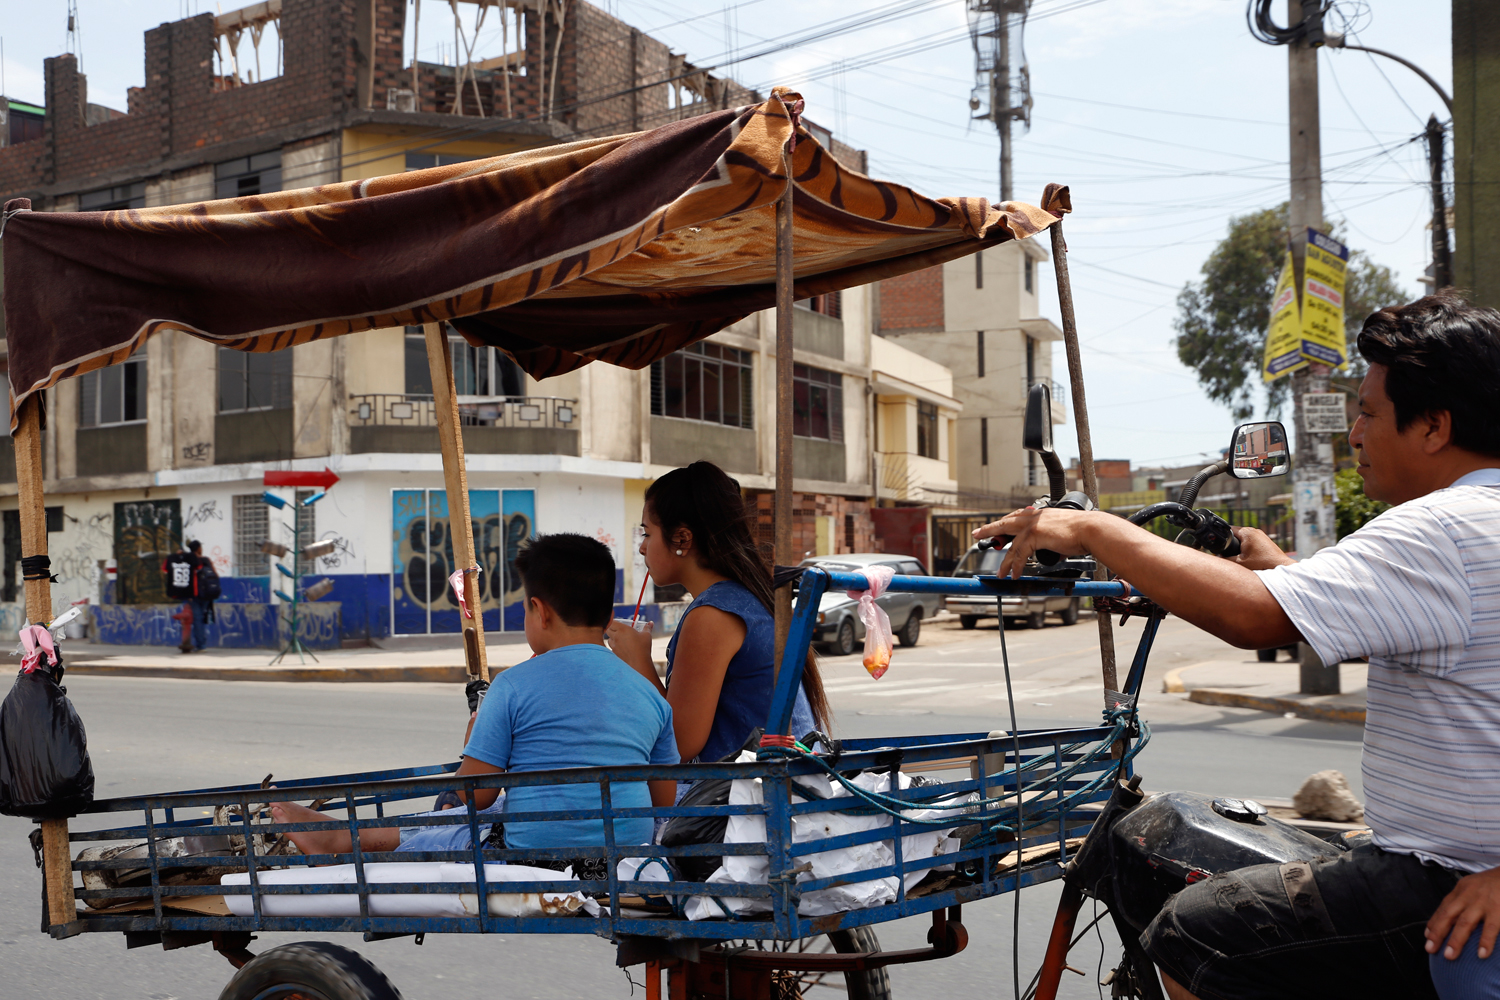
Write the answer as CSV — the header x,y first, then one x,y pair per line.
x,y
754,869
444,904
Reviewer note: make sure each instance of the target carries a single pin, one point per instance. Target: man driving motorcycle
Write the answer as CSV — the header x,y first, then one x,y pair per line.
x,y
1417,590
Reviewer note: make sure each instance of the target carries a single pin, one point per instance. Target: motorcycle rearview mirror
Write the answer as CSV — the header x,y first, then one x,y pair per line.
x,y
1036,435
1036,431
1259,451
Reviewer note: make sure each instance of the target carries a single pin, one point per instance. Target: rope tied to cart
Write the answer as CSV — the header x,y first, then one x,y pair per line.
x,y
1121,720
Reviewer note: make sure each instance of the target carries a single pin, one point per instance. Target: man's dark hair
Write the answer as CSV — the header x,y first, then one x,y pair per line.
x,y
195,547
573,574
1440,353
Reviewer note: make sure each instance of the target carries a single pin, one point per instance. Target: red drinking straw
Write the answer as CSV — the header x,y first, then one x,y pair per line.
x,y
638,600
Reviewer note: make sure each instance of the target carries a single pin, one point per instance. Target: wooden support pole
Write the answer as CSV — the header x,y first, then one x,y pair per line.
x,y
57,868
456,479
784,556
1085,441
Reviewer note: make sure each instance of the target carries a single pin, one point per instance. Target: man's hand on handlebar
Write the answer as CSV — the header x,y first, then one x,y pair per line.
x,y
1257,551
1030,529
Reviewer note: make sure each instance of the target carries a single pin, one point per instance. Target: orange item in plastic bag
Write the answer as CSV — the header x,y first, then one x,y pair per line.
x,y
879,641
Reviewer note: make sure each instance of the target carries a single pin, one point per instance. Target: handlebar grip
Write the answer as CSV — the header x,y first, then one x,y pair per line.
x,y
1232,548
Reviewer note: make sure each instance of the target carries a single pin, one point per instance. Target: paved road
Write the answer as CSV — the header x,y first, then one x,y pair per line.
x,y
150,735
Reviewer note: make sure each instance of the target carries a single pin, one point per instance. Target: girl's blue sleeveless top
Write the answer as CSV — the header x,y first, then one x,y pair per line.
x,y
745,698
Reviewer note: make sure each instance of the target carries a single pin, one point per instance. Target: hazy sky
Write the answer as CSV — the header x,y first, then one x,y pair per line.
x,y
1164,116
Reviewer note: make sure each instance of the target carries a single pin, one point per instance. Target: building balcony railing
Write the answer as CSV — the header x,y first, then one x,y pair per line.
x,y
384,409
1059,389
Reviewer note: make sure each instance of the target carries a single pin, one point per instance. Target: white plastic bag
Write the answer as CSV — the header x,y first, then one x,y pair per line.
x,y
880,643
754,869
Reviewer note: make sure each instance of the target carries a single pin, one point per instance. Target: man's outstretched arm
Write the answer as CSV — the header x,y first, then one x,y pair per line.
x,y
1220,596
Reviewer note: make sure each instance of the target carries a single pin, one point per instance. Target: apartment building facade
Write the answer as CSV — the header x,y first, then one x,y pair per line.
x,y
174,444
978,317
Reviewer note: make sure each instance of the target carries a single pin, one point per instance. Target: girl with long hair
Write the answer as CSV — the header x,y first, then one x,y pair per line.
x,y
721,661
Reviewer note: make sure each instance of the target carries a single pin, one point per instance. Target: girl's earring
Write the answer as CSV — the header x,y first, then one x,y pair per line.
x,y
679,552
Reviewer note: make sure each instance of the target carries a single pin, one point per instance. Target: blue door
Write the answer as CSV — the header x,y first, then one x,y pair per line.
x,y
422,559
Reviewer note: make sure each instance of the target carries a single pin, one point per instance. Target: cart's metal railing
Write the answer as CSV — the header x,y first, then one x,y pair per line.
x,y
1013,803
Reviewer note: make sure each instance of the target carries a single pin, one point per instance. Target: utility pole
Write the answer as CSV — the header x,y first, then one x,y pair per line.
x,y
1000,103
990,30
1312,489
1442,258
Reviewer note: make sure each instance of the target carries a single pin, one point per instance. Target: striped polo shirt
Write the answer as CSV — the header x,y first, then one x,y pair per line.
x,y
1417,590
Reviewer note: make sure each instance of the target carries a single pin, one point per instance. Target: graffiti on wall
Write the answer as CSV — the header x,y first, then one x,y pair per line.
x,y
146,532
85,543
206,511
422,601
343,551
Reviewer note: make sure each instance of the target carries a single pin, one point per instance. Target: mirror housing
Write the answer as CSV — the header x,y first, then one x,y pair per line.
x,y
1258,451
1036,431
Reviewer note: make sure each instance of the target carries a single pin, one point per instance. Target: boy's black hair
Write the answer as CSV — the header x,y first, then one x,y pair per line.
x,y
1440,353
195,546
572,574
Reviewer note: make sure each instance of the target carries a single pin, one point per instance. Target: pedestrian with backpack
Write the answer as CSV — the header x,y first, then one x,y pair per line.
x,y
206,590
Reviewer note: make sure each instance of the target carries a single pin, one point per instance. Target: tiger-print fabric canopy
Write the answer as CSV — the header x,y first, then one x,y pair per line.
x,y
622,249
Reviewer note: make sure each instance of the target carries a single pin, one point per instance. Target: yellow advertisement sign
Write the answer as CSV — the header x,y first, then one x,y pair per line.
x,y
1327,264
1284,337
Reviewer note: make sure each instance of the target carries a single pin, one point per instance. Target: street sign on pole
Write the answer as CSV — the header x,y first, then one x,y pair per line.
x,y
1324,413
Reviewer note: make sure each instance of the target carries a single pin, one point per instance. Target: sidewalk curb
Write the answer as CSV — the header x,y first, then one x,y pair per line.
x,y
365,675
1280,706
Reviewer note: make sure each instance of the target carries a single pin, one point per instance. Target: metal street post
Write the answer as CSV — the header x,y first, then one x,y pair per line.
x,y
1312,489
1442,257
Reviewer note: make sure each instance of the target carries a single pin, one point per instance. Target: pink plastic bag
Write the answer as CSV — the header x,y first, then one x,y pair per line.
x,y
879,641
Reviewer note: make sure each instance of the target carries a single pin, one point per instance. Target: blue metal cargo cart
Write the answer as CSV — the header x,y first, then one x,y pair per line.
x,y
1018,799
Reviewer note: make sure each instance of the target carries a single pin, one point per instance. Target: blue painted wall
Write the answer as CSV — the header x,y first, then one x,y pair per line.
x,y
237,626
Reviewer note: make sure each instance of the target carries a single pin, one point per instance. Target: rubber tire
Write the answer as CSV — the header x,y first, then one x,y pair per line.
x,y
1266,655
1037,619
968,622
872,985
1069,614
843,643
912,631
332,971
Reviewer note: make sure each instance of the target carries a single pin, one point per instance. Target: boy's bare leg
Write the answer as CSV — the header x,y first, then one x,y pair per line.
x,y
331,841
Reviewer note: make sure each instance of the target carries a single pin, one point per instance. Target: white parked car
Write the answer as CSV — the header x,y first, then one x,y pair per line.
x,y
839,627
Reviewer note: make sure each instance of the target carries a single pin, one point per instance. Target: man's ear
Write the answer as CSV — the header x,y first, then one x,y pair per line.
x,y
1437,431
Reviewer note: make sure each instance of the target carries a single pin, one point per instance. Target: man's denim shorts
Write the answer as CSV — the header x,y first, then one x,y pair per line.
x,y
1351,927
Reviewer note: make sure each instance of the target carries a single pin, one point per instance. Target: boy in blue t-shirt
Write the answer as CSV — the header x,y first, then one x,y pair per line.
x,y
573,704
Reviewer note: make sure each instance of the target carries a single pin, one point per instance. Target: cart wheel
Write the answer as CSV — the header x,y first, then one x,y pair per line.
x,y
310,970
1069,614
872,985
967,621
843,645
912,631
1266,655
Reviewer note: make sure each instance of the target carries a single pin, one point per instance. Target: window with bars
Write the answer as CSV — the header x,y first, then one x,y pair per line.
x,y
927,430
254,381
114,395
708,382
817,403
477,371
252,525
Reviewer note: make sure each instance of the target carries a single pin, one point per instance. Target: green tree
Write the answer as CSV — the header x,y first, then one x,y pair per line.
x,y
1351,507
1221,320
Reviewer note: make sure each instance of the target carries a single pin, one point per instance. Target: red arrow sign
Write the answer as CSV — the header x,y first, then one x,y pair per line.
x,y
323,480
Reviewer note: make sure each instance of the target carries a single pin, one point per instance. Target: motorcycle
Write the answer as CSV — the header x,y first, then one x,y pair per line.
x,y
1144,847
